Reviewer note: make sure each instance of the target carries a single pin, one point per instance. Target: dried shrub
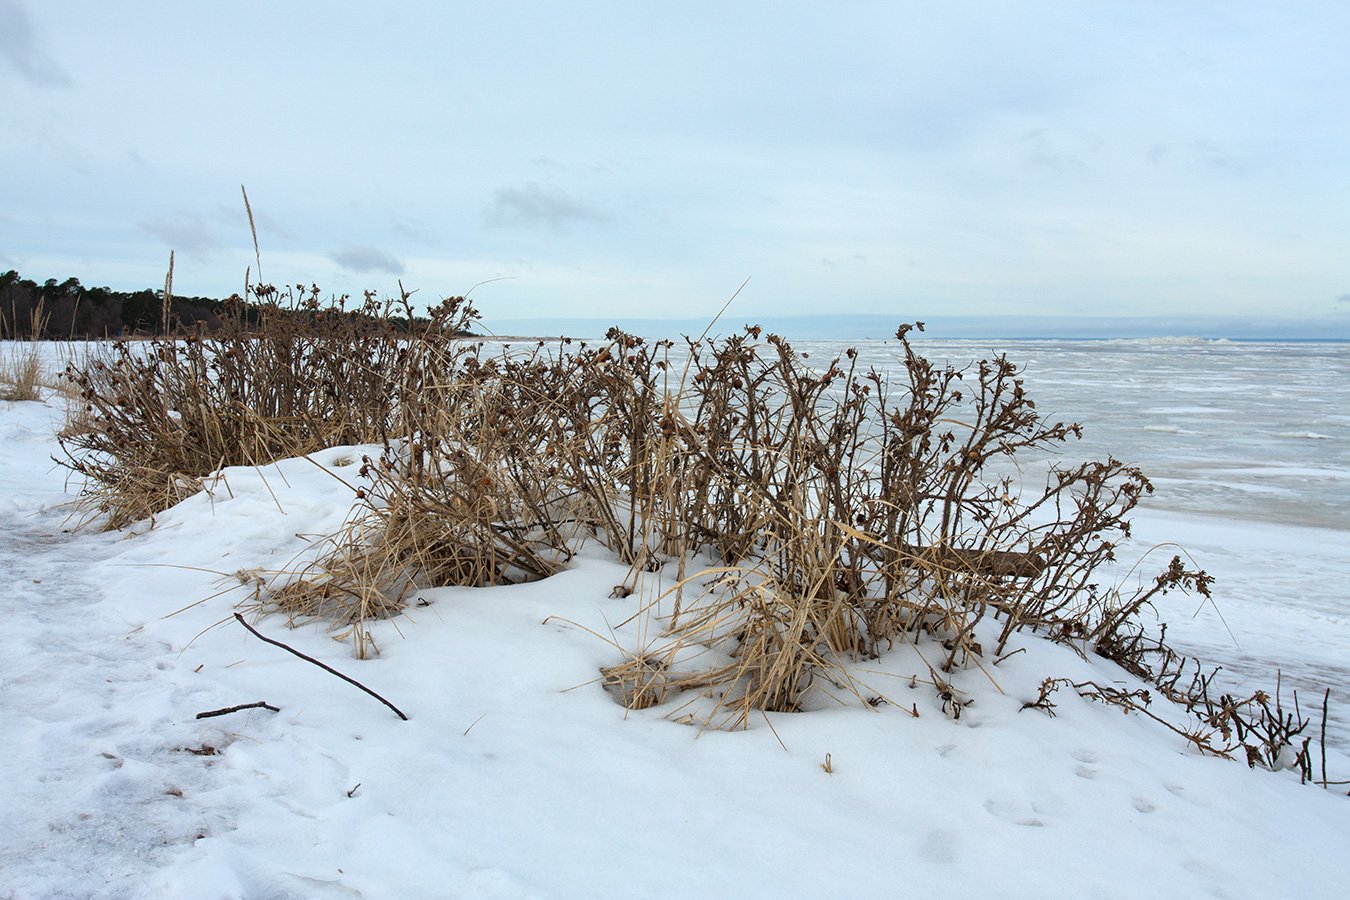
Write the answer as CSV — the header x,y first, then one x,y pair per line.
x,y
842,513
1258,729
834,513
283,377
857,514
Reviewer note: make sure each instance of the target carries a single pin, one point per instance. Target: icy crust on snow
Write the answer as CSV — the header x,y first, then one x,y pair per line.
x,y
518,776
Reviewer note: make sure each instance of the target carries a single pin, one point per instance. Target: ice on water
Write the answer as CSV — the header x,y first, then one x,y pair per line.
x,y
1248,430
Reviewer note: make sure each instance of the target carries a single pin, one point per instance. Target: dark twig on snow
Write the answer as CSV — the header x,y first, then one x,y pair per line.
x,y
352,681
230,709
1326,698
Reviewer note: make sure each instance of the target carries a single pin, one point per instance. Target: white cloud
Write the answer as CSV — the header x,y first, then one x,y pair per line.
x,y
19,47
365,258
1059,150
535,206
185,232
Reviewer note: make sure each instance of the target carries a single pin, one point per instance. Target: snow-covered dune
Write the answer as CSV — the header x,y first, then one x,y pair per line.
x,y
517,775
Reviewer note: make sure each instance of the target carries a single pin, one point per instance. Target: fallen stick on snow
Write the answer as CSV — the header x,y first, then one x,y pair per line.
x,y
230,709
253,631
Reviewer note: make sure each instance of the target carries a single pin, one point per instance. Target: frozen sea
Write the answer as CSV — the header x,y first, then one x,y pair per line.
x,y
1251,431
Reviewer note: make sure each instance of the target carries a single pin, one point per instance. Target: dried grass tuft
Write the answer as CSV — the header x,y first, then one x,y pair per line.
x,y
284,377
21,373
22,369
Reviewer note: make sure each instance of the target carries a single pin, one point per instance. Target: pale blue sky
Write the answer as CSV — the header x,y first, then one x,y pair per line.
x,y
914,159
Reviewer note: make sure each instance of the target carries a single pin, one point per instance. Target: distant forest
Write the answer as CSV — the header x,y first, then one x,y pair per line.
x,y
69,310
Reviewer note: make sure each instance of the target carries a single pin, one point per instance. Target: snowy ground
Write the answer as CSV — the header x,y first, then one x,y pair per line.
x,y
518,776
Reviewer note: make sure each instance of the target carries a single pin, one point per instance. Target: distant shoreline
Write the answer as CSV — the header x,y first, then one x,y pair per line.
x,y
1247,329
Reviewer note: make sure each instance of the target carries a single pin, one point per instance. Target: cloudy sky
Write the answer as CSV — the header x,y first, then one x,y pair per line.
x,y
908,158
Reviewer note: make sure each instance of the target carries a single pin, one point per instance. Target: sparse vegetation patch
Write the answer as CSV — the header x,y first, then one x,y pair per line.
x,y
807,515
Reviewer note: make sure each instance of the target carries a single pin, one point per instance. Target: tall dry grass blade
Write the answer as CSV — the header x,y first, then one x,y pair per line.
x,y
253,229
168,296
